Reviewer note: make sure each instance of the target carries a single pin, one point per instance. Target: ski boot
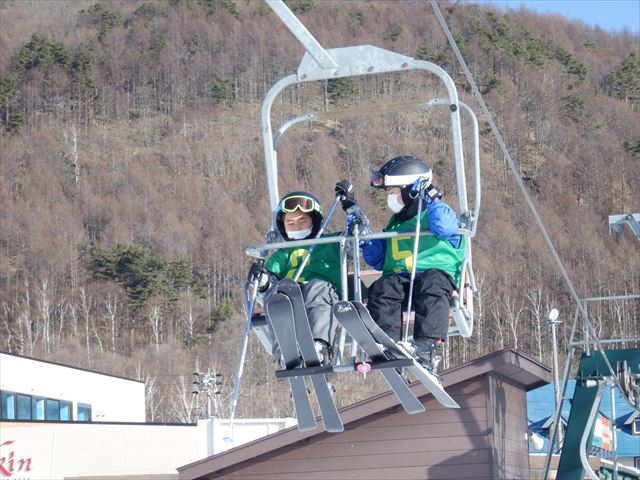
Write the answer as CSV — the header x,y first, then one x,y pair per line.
x,y
424,351
324,353
325,357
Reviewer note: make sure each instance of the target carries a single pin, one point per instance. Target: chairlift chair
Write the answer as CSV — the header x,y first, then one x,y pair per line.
x,y
318,65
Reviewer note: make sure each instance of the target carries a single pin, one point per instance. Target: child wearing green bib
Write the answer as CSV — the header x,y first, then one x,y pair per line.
x,y
439,257
299,217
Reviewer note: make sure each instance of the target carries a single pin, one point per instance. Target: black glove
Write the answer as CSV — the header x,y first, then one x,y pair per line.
x,y
428,191
258,272
347,192
357,217
431,192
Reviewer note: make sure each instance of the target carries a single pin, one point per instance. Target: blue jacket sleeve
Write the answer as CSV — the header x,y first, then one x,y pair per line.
x,y
373,252
443,222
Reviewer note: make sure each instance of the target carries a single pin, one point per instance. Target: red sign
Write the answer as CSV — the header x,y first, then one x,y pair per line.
x,y
9,464
602,434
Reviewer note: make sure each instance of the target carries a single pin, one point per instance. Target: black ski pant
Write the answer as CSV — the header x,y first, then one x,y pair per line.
x,y
431,294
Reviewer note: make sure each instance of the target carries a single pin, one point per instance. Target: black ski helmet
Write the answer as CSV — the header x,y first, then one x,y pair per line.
x,y
306,203
401,171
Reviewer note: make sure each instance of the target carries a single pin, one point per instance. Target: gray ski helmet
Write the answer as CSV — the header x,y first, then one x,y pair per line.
x,y
304,202
401,171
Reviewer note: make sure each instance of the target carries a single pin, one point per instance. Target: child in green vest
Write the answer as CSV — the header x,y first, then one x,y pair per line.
x,y
439,259
299,217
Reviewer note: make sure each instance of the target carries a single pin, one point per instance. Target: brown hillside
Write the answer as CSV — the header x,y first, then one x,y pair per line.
x,y
135,126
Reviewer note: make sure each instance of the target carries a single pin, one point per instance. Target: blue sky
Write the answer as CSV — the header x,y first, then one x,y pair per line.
x,y
612,15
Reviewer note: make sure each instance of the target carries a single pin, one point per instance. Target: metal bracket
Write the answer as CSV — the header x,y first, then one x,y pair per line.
x,y
617,222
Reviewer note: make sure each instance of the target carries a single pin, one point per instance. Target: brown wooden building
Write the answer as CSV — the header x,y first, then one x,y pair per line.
x,y
485,439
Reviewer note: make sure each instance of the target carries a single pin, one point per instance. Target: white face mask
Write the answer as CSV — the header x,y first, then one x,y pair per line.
x,y
393,203
298,234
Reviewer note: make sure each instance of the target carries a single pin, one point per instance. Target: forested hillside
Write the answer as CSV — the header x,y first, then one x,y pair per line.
x,y
132,176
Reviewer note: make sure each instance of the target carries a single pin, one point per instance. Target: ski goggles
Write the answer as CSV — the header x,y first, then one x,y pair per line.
x,y
377,179
299,202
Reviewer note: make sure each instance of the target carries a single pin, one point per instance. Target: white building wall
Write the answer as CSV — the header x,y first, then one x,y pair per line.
x,y
216,436
126,446
52,451
61,450
112,399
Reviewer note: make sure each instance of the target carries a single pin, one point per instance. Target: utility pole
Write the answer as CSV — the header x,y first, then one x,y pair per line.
x,y
210,384
553,321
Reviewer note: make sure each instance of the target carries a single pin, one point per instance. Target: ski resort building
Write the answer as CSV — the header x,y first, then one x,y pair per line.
x,y
59,422
38,390
620,446
505,397
489,437
486,438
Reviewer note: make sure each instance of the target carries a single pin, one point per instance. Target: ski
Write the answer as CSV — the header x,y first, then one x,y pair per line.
x,y
304,337
428,379
348,317
280,315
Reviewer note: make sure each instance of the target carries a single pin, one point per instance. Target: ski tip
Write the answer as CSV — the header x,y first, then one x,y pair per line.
x,y
336,429
306,428
415,411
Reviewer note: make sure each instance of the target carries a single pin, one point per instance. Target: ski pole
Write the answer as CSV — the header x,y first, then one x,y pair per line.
x,y
236,387
413,267
357,297
357,292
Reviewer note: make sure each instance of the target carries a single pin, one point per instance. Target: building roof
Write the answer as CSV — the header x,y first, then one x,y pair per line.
x,y
541,408
63,365
511,366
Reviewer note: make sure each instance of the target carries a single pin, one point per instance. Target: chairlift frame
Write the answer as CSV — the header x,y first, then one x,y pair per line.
x,y
319,64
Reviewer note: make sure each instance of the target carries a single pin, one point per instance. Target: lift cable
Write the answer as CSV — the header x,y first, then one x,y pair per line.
x,y
526,196
505,152
516,175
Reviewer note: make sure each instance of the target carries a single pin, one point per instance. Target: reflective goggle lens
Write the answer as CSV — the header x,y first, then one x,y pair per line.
x,y
304,204
377,179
